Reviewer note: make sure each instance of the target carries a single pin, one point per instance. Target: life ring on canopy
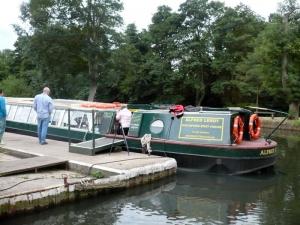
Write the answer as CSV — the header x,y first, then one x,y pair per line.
x,y
99,105
87,105
238,129
105,106
117,104
254,126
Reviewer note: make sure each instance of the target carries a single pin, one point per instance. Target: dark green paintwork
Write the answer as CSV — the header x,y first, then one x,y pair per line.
x,y
201,150
206,128
172,131
216,127
55,132
135,124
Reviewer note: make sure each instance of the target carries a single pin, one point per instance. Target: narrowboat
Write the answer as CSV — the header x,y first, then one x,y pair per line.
x,y
21,118
224,140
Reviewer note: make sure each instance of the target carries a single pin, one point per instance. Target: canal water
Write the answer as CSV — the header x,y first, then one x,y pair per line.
x,y
271,198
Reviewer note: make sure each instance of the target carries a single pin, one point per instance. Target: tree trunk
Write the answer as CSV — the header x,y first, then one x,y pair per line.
x,y
200,93
284,59
257,96
284,73
294,110
199,97
92,91
93,80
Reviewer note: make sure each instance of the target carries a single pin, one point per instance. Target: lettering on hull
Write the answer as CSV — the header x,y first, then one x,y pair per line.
x,y
201,128
267,152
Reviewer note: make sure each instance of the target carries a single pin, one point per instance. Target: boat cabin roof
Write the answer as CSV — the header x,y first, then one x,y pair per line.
x,y
161,111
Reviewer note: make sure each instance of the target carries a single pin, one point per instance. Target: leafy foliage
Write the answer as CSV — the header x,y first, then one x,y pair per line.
x,y
15,87
204,54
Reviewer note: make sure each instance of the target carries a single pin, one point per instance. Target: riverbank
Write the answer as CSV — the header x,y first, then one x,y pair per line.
x,y
291,125
82,175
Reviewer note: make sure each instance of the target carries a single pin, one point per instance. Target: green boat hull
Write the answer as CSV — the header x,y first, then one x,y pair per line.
x,y
53,132
227,159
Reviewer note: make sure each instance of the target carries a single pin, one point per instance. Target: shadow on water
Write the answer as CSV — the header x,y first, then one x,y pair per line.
x,y
188,198
194,198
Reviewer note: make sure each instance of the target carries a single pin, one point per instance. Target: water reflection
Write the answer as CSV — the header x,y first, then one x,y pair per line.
x,y
194,198
216,199
188,198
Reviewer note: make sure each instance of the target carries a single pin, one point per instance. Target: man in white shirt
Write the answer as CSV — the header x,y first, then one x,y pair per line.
x,y
124,118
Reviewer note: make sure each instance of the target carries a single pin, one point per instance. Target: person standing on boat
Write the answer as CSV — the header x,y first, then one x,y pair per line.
x,y
124,118
43,106
2,115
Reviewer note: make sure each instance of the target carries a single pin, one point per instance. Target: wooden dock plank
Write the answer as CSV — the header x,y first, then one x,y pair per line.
x,y
28,164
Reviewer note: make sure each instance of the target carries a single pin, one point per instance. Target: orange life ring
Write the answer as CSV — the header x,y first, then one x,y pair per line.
x,y
117,104
99,105
254,126
87,105
104,105
238,129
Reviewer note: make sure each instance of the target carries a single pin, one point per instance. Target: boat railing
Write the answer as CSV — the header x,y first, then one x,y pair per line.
x,y
79,119
272,114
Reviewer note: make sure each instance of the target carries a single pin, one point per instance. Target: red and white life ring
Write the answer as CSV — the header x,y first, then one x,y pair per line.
x,y
238,130
254,126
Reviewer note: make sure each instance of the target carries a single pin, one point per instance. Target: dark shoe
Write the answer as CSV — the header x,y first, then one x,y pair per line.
x,y
44,143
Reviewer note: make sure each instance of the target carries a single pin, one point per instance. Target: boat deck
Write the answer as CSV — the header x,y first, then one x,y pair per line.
x,y
246,145
255,144
26,184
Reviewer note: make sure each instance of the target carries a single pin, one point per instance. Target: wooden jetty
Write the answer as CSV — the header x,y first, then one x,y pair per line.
x,y
29,164
25,187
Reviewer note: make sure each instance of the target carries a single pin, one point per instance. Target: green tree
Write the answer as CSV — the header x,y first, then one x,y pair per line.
x,y
290,77
130,60
163,35
194,46
234,37
15,87
5,61
70,35
10,80
275,59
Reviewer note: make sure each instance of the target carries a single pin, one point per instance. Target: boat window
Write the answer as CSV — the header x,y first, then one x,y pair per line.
x,y
157,126
32,116
7,109
103,121
86,121
98,122
22,114
56,116
12,112
78,119
51,122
